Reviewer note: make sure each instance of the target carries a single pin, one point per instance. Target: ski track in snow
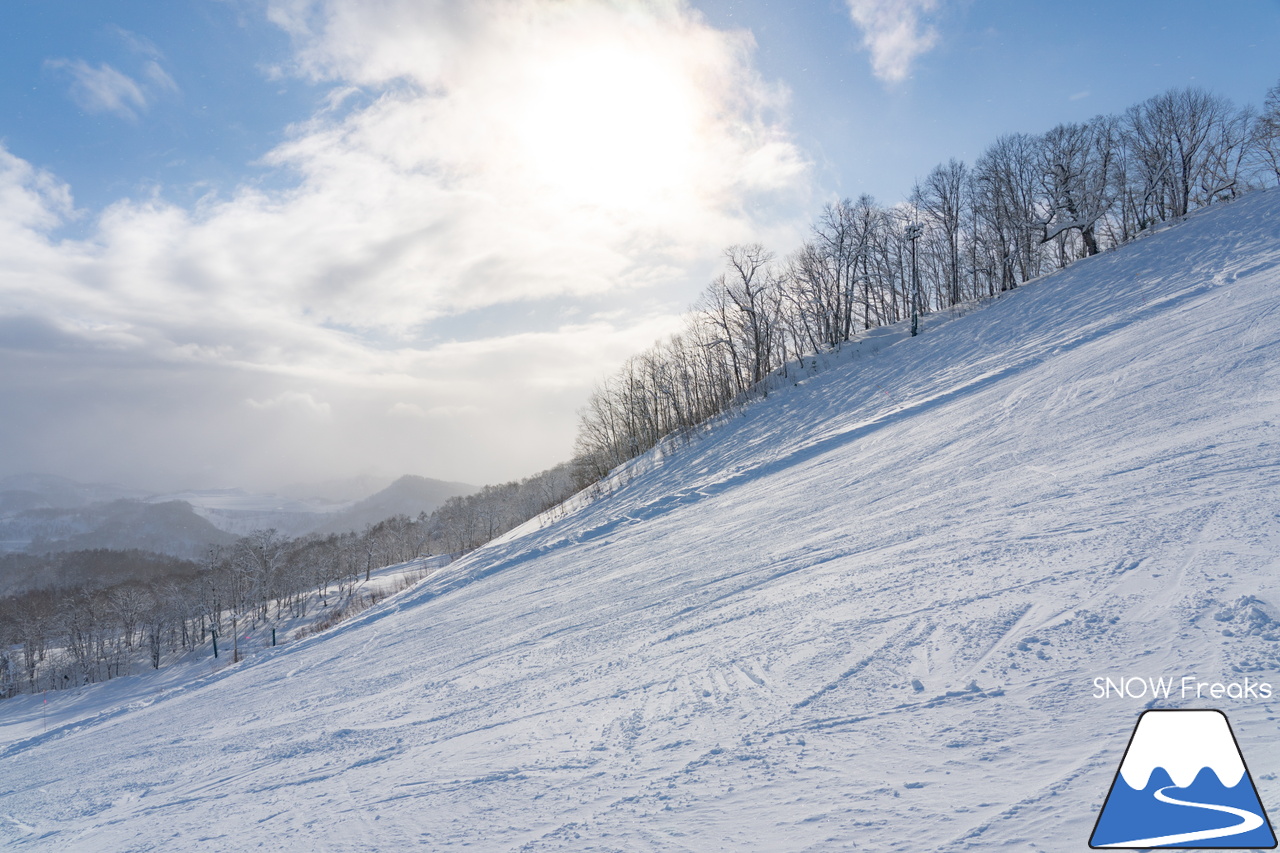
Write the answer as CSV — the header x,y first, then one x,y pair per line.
x,y
864,613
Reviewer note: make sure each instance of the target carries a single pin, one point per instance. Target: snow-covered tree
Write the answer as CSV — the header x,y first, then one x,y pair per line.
x,y
1078,165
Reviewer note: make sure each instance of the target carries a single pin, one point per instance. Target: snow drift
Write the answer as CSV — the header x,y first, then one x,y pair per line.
x,y
865,614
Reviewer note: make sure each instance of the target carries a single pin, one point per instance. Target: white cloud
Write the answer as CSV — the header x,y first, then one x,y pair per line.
x,y
477,160
135,42
413,410
531,149
30,199
538,150
402,409
892,30
102,89
106,89
297,401
159,77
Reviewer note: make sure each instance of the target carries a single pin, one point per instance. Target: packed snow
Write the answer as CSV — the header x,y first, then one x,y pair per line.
x,y
864,613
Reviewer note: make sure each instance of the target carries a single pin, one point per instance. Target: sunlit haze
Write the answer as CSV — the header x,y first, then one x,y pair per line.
x,y
254,243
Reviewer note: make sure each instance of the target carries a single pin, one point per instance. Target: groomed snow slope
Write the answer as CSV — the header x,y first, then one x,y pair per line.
x,y
864,615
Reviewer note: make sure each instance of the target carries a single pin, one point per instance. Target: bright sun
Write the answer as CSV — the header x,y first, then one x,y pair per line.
x,y
608,128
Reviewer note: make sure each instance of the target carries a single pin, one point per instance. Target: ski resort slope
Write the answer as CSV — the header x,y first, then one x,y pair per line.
x,y
865,613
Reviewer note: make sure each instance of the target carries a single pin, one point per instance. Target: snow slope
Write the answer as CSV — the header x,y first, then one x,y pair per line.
x,y
866,614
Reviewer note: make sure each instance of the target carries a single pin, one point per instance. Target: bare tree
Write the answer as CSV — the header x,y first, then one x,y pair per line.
x,y
1006,178
941,200
1266,133
1176,138
1078,164
742,303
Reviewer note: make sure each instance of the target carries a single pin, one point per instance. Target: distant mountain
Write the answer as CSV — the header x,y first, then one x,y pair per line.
x,y
40,513
302,510
20,500
346,491
409,496
238,500
239,512
172,528
20,492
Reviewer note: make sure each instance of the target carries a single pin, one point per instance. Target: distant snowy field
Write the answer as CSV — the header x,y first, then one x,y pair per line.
x,y
865,614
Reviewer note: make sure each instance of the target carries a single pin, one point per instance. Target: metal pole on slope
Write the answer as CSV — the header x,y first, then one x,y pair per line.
x,y
914,230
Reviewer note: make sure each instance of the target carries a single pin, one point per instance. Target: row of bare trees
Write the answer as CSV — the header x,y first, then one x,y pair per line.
x,y
58,638
1029,205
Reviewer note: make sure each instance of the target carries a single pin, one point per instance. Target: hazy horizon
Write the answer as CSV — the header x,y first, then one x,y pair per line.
x,y
337,491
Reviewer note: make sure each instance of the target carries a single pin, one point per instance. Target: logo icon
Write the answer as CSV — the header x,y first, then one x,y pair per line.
x,y
1183,783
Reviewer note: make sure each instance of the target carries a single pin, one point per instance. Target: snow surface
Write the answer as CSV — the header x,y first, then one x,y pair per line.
x,y
865,614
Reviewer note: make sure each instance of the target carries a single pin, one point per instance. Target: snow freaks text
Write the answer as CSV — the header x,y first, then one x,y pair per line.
x,y
1186,687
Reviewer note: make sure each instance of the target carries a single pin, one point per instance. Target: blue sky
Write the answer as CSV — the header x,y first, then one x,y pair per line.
x,y
998,66
219,110
249,243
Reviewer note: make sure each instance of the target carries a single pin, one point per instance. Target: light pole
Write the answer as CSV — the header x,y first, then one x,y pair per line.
x,y
914,230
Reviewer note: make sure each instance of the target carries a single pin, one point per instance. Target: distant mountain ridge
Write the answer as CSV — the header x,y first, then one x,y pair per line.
x,y
409,495
346,490
239,512
42,513
34,491
172,528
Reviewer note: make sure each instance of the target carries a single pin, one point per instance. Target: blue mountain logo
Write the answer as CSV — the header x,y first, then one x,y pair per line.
x,y
1183,783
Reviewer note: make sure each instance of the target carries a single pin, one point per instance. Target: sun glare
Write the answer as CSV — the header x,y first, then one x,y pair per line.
x,y
609,129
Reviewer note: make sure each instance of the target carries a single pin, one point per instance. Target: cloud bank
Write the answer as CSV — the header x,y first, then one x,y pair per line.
x,y
497,202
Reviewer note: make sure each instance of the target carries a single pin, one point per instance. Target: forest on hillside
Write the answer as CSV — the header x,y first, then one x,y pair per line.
x,y
89,616
1029,205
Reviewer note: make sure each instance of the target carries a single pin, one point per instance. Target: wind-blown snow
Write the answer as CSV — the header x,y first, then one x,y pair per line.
x,y
1183,744
866,614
